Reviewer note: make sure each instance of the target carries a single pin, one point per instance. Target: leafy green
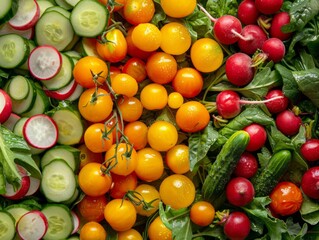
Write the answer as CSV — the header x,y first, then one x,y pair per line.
x,y
310,210
290,87
218,8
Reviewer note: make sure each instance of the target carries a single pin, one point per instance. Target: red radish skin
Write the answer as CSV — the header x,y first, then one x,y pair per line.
x,y
32,225
258,137
239,70
280,19
247,12
278,105
5,106
237,226
247,166
310,150
288,123
253,37
268,6
310,183
239,191
275,49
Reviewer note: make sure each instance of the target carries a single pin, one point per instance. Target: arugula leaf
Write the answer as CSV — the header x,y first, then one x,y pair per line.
x,y
218,8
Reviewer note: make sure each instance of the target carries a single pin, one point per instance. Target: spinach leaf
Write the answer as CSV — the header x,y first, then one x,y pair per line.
x,y
290,87
198,24
309,210
218,8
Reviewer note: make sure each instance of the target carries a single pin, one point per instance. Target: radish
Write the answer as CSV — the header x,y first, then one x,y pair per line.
x,y
228,103
278,105
274,48
258,136
310,182
44,62
247,165
279,20
310,150
62,93
239,191
76,222
247,12
11,121
237,226
33,225
27,15
268,6
34,186
7,29
253,37
288,123
5,106
40,131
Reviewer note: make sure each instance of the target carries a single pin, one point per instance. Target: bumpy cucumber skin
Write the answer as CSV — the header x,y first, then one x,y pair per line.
x,y
268,178
225,163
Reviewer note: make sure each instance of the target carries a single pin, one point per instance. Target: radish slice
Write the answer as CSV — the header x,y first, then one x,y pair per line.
x,y
33,225
27,15
62,93
44,62
76,222
7,29
40,131
5,106
34,186
11,121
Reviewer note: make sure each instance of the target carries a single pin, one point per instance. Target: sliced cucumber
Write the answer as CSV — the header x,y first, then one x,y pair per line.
x,y
69,154
54,29
73,54
60,221
58,181
18,210
14,50
7,225
26,104
59,9
5,8
72,2
18,127
18,87
44,5
89,18
89,47
64,4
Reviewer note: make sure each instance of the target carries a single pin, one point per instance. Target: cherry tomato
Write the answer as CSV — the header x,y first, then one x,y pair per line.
x,y
136,132
97,138
192,117
175,100
92,231
147,37
113,5
150,195
202,213
131,108
178,9
138,11
130,234
150,165
114,47
154,96
136,68
113,122
134,51
161,67
122,157
188,82
92,208
90,71
286,198
177,159
87,156
93,181
120,214
176,39
177,191
157,230
162,136
122,184
124,84
97,101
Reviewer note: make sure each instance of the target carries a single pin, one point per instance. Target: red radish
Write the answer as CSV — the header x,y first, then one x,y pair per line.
x,y
11,121
274,48
228,103
239,69
310,182
278,105
258,136
237,226
76,222
247,12
288,123
247,166
310,150
26,16
32,225
268,6
239,191
7,29
253,37
280,19
40,131
5,106
44,62
34,186
62,93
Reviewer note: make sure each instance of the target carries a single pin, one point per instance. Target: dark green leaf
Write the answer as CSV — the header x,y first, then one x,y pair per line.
x,y
278,141
214,231
198,24
218,8
310,210
290,87
295,231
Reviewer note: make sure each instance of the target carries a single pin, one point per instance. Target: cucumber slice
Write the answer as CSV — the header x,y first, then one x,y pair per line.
x,y
54,29
89,18
14,50
18,87
58,181
44,5
18,210
5,8
60,221
7,225
89,47
64,4
18,127
26,104
59,9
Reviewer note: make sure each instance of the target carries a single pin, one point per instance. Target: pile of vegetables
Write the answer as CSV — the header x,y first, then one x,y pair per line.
x,y
159,119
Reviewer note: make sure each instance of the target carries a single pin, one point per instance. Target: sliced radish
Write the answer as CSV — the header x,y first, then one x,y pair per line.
x,y
27,15
62,93
40,131
76,222
77,93
5,106
11,121
33,225
34,186
44,62
7,29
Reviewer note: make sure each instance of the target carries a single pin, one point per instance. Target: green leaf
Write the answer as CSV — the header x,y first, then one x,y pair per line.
x,y
290,87
310,210
198,24
218,8
295,231
278,141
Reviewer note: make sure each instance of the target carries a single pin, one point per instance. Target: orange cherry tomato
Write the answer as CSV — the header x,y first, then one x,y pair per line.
x,y
92,231
202,213
147,37
136,132
157,230
136,68
154,96
122,184
177,159
87,156
124,84
130,234
150,195
134,51
92,208
138,11
97,138
178,9
131,108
